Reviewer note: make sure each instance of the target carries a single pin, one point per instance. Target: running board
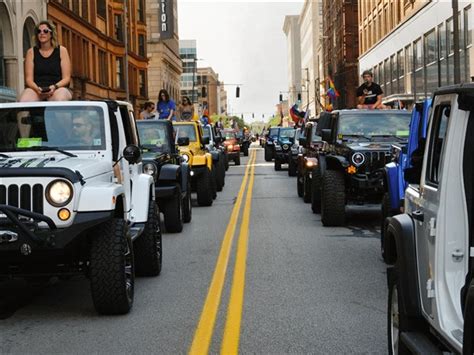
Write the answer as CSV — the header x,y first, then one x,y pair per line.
x,y
137,230
418,343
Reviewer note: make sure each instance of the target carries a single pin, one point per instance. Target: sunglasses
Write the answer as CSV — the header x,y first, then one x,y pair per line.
x,y
45,31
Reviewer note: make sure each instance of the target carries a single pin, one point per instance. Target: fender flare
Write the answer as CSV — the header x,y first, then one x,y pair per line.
x,y
99,197
336,162
322,164
142,188
402,229
185,170
215,156
169,172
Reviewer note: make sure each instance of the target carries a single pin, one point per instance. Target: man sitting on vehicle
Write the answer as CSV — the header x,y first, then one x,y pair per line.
x,y
369,94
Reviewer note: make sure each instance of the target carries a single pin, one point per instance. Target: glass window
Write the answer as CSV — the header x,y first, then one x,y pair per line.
x,y
119,81
85,10
388,77
374,124
287,133
418,48
185,130
101,8
141,45
450,36
142,83
430,47
141,10
103,68
65,127
118,27
468,26
401,63
154,136
438,136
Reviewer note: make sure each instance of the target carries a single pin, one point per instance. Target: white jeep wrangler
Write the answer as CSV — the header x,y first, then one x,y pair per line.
x,y
73,198
431,287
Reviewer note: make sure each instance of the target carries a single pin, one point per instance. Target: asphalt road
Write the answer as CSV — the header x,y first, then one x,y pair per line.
x,y
306,288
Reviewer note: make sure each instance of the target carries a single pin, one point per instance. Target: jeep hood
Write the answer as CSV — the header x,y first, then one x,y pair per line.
x,y
369,146
87,167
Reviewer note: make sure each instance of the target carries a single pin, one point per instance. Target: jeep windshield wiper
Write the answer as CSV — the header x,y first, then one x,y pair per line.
x,y
355,136
44,148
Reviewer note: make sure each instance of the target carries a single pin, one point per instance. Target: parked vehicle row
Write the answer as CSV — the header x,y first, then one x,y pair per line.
x,y
82,187
418,168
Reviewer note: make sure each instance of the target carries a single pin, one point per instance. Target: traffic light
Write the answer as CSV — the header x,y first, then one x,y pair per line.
x,y
253,115
203,92
237,91
299,96
242,116
281,97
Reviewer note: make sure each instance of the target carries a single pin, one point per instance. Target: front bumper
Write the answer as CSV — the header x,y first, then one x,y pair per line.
x,y
283,156
40,243
233,154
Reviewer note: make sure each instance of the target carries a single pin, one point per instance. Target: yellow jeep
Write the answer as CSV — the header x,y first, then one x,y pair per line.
x,y
191,144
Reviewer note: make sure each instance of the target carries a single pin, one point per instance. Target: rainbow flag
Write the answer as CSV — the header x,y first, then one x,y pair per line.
x,y
331,89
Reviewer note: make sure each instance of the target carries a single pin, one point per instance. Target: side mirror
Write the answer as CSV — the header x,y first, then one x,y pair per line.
x,y
205,140
302,141
326,135
132,154
183,141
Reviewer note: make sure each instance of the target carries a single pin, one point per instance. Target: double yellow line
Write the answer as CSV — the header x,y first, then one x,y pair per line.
x,y
203,336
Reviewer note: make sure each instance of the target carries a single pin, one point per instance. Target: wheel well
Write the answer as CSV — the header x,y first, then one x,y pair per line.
x,y
390,246
333,164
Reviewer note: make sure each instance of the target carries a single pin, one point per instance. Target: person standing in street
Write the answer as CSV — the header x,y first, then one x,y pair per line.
x,y
186,110
148,111
369,94
47,67
166,107
220,124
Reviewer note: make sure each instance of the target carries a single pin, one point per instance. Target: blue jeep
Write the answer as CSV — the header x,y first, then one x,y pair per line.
x,y
395,183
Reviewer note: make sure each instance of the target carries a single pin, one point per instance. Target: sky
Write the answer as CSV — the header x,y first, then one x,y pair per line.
x,y
243,41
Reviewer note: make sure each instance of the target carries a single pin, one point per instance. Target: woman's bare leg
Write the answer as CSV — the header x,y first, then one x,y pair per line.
x,y
29,95
61,94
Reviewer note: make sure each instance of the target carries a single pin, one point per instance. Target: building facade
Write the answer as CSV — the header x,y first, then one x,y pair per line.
x,y
188,54
18,19
207,82
291,28
95,32
311,27
222,100
341,49
415,55
164,61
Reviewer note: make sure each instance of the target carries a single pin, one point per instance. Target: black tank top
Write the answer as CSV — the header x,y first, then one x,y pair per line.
x,y
47,70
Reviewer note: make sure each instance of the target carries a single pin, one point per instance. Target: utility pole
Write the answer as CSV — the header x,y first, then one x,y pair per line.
x,y
457,57
125,61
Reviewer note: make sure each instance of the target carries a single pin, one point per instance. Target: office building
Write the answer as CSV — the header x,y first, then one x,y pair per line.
x,y
188,54
291,28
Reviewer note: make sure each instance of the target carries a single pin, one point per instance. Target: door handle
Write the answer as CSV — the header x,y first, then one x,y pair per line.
x,y
418,215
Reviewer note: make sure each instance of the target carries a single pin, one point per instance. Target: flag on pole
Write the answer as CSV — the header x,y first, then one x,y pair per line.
x,y
331,89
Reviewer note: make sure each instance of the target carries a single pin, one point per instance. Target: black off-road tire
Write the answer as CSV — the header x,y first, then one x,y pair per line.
x,y
299,184
173,213
277,165
306,189
204,188
214,182
333,199
219,175
226,161
148,248
316,191
237,160
291,167
111,268
387,211
405,323
268,154
187,205
245,149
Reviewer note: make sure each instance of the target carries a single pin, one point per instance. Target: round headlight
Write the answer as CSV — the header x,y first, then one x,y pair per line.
x,y
358,159
230,147
149,168
285,146
185,158
59,193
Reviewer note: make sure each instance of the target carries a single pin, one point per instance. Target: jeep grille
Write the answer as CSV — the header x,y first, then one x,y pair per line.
x,y
24,196
377,159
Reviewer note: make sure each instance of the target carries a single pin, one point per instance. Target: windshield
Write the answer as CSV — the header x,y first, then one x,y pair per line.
x,y
273,132
185,130
380,124
287,133
229,134
65,127
206,132
154,136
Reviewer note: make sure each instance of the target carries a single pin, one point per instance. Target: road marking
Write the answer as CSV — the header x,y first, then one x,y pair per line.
x,y
230,342
205,328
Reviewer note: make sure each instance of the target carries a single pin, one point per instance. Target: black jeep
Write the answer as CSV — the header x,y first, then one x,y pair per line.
x,y
359,146
269,148
295,151
217,151
162,160
282,146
